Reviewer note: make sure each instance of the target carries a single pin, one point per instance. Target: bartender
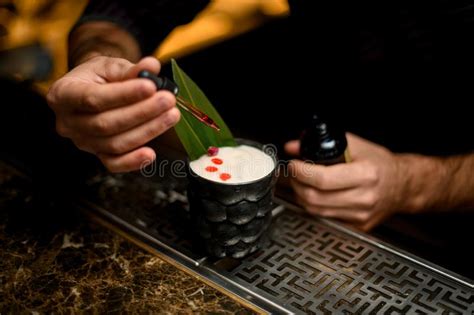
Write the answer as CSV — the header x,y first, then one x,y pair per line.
x,y
376,68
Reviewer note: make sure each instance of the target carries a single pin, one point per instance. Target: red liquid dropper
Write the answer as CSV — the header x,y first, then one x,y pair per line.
x,y
163,83
196,113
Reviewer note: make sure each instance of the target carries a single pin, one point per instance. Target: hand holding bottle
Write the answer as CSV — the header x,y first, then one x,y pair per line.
x,y
363,192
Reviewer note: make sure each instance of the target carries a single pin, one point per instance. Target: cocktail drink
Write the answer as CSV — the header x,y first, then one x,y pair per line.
x,y
230,194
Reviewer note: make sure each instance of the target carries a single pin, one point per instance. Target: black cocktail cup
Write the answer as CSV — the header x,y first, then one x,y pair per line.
x,y
231,220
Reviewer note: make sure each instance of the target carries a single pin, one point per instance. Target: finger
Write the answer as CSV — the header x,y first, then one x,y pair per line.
x,y
128,162
118,69
333,177
359,147
148,63
124,118
95,98
293,147
83,144
344,198
349,215
109,69
118,94
136,137
373,221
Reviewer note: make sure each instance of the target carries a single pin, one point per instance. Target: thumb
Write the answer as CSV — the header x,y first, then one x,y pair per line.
x,y
359,146
148,63
293,147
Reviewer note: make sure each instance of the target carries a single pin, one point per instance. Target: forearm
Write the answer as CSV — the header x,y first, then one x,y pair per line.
x,y
441,184
101,39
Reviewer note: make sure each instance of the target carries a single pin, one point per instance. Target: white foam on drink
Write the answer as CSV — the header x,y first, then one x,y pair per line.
x,y
243,163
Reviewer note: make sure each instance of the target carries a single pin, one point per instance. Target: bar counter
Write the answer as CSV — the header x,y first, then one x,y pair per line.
x,y
57,263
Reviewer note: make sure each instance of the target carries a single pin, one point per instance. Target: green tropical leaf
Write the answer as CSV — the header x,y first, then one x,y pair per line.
x,y
195,136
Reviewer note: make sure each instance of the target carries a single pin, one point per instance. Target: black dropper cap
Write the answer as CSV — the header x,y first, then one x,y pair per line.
x,y
322,144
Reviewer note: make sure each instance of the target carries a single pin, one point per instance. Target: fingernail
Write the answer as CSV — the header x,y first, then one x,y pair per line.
x,y
164,102
172,117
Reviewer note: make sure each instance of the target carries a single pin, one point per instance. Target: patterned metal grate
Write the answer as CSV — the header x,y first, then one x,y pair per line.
x,y
309,266
312,268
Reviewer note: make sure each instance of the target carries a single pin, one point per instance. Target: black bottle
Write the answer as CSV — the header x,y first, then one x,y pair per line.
x,y
323,145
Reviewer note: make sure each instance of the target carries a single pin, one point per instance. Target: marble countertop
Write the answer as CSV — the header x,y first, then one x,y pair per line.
x,y
61,262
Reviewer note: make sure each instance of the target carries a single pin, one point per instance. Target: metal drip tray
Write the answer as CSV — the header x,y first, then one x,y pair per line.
x,y
309,266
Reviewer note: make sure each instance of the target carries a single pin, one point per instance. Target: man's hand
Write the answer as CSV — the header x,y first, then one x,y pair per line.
x,y
106,110
363,192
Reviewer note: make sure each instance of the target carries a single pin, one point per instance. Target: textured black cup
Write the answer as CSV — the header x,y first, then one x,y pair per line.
x,y
231,220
